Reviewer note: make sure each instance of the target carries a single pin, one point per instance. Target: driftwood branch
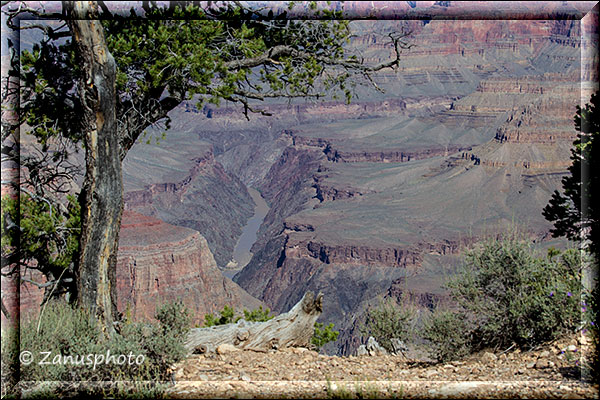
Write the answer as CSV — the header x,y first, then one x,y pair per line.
x,y
292,329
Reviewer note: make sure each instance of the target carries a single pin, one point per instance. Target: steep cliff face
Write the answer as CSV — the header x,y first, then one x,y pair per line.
x,y
471,132
288,189
333,153
159,262
546,121
196,193
362,255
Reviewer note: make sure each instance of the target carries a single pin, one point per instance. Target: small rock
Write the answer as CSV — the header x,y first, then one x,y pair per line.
x,y
226,348
244,377
374,348
362,350
298,350
542,363
545,354
488,357
531,364
572,347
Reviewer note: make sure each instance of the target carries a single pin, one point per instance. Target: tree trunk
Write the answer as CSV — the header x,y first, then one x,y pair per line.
x,y
292,329
102,192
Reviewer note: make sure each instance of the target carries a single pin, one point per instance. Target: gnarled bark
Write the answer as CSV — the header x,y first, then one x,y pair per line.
x,y
292,329
103,187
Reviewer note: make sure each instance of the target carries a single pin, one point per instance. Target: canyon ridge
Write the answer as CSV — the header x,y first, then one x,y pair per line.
x,y
376,198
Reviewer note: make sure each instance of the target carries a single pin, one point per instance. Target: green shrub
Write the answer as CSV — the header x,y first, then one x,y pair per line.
x,y
589,308
227,316
62,339
448,335
387,321
323,335
513,296
258,315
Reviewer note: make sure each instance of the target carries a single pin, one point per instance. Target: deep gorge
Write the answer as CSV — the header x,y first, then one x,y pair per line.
x,y
375,198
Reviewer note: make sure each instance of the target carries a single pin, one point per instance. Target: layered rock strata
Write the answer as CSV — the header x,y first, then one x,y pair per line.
x,y
393,155
206,198
159,262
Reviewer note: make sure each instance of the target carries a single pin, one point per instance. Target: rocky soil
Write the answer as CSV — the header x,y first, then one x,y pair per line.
x,y
551,371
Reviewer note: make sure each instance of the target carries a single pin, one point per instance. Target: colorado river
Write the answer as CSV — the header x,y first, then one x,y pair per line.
x,y
241,252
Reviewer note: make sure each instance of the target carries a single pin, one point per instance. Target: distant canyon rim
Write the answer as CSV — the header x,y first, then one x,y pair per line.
x,y
378,197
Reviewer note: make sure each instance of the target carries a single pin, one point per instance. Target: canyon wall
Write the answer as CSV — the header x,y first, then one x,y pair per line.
x,y
358,234
199,194
159,263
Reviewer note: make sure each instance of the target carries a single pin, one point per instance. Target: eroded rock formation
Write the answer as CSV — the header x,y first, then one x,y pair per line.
x,y
159,262
203,196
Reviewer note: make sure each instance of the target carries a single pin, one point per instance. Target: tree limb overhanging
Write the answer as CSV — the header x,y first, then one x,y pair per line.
x,y
100,80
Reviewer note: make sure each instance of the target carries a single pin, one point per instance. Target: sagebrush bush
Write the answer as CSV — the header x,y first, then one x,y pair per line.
x,y
514,296
448,334
69,335
389,320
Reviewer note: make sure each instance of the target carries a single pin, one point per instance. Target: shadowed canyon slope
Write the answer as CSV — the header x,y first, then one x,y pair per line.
x,y
379,197
180,182
159,263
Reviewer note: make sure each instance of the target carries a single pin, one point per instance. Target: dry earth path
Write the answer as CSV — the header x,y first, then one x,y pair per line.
x,y
549,372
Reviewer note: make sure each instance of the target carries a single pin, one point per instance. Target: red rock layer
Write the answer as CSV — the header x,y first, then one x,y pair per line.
x,y
393,155
157,263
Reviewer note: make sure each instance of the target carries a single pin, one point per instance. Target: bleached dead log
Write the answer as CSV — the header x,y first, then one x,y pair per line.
x,y
291,329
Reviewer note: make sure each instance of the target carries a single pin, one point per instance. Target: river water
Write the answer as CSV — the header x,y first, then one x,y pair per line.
x,y
241,252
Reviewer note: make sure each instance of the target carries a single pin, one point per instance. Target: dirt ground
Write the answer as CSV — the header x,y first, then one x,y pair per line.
x,y
552,371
